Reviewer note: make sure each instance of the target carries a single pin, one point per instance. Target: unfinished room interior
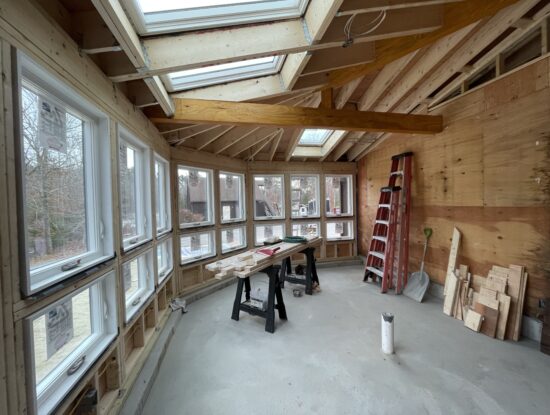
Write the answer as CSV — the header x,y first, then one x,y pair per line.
x,y
274,207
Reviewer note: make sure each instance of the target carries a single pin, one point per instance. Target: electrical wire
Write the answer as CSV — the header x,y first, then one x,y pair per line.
x,y
349,36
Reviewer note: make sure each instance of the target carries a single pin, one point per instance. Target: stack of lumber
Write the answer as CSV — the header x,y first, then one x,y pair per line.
x,y
492,305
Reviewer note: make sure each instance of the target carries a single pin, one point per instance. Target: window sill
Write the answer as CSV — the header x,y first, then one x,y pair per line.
x,y
197,259
129,248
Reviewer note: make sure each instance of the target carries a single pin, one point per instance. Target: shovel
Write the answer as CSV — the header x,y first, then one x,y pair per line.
x,y
418,282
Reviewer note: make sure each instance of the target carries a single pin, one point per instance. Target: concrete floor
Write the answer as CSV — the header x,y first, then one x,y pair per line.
x,y
326,359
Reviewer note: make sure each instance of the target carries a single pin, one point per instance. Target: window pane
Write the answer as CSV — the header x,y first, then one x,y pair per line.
x,y
304,196
231,196
197,246
305,229
340,230
59,331
128,190
137,281
55,201
162,192
194,196
233,239
265,232
164,259
314,137
268,197
338,195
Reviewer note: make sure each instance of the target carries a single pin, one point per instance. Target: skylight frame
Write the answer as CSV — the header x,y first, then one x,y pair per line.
x,y
326,135
208,17
176,83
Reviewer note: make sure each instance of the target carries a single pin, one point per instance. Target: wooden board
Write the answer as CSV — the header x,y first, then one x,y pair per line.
x,y
503,311
490,319
487,292
521,301
487,301
473,320
514,289
452,287
451,266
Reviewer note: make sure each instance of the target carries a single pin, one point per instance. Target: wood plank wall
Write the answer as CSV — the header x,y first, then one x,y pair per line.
x,y
488,174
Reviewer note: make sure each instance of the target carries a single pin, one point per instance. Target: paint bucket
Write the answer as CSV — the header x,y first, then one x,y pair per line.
x,y
387,333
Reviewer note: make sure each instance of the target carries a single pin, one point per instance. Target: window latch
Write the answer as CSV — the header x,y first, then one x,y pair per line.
x,y
133,241
71,265
75,366
136,301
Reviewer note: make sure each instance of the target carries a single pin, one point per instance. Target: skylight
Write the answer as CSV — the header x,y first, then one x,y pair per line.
x,y
225,72
164,16
315,138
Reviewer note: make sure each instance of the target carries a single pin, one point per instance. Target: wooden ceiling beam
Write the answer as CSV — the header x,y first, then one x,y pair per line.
x,y
339,57
120,26
238,113
275,145
199,49
455,17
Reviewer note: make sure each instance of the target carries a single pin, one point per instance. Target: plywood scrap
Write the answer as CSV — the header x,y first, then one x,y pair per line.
x,y
503,311
473,320
521,301
487,292
478,281
487,301
515,278
451,266
450,297
490,319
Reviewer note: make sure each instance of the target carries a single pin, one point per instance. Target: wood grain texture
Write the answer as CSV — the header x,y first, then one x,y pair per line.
x,y
488,174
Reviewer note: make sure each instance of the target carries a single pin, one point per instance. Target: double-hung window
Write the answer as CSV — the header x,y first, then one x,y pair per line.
x,y
164,259
304,196
232,198
269,200
66,337
264,232
195,197
65,177
138,282
340,230
305,229
162,195
134,189
338,195
233,238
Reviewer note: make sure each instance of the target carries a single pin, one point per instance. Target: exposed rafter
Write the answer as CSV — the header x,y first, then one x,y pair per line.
x,y
237,113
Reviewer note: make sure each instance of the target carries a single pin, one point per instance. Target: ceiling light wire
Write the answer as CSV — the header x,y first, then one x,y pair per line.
x,y
349,36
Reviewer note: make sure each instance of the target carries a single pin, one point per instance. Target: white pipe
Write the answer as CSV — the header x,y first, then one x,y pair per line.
x,y
387,333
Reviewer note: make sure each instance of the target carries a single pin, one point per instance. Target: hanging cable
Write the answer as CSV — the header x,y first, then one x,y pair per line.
x,y
375,23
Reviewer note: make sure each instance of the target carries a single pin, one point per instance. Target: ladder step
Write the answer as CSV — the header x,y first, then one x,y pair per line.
x,y
380,238
377,254
397,173
376,271
384,205
382,222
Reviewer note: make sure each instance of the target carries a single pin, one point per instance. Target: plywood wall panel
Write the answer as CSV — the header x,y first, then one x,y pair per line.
x,y
487,173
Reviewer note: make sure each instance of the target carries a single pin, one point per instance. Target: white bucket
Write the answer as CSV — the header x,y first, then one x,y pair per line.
x,y
387,333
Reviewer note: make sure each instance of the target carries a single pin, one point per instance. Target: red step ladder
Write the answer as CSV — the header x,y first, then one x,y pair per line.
x,y
388,255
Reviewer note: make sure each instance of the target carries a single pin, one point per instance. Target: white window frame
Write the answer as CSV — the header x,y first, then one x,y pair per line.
x,y
146,284
241,229
213,16
317,214
242,196
256,225
165,271
346,238
326,136
210,254
283,205
143,188
306,222
165,210
182,81
46,396
209,193
350,196
97,172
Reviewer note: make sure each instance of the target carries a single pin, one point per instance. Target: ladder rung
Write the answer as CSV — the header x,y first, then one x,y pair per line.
x,y
382,222
377,254
380,238
396,173
376,271
384,205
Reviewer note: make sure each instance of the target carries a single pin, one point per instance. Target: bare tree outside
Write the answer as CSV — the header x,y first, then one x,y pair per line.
x,y
54,188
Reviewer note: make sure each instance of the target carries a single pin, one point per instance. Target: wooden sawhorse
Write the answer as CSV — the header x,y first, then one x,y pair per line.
x,y
311,271
274,299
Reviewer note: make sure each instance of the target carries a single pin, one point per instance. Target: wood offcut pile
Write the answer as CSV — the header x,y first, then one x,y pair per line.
x,y
492,305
